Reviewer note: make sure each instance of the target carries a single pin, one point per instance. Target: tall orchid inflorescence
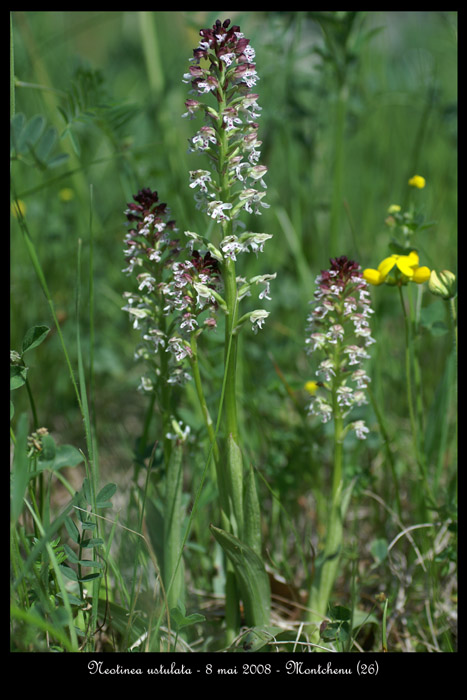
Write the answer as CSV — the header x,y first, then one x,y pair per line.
x,y
223,74
229,138
175,287
181,287
339,329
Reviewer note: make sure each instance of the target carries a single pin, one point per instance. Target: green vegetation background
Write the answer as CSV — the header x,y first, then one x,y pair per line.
x,y
111,84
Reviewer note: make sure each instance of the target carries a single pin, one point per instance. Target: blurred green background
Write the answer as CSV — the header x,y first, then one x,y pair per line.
x,y
111,85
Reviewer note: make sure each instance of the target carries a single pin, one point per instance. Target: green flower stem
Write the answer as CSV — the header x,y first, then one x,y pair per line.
x,y
230,295
231,478
231,366
323,583
338,447
202,398
409,363
232,472
387,447
452,308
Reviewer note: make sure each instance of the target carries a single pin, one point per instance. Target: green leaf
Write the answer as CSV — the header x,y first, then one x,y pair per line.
x,y
335,631
72,529
20,475
70,554
252,517
68,572
91,563
92,542
339,613
46,143
48,448
235,482
379,549
72,599
179,619
31,133
89,577
34,337
122,621
57,160
361,617
104,496
18,375
432,317
65,456
252,577
87,524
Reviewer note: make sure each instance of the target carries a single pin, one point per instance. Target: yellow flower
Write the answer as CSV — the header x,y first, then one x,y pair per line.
x,y
66,194
421,274
394,208
407,264
373,276
311,387
417,181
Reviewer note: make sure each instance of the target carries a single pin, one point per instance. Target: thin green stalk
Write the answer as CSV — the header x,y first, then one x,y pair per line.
x,y
33,405
336,199
93,423
409,362
90,466
12,69
201,396
231,422
387,447
453,311
326,572
132,595
384,637
325,577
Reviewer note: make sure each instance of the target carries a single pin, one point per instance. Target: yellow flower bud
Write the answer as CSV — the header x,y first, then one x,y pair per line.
x,y
394,208
417,181
311,387
442,284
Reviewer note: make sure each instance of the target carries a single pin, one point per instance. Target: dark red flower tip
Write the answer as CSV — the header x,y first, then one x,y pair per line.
x,y
344,267
207,264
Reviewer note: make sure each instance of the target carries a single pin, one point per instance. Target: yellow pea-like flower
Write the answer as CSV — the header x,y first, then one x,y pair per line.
x,y
406,264
372,276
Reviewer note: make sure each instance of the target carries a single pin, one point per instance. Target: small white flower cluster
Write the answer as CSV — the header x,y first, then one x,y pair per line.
x,y
339,328
170,293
